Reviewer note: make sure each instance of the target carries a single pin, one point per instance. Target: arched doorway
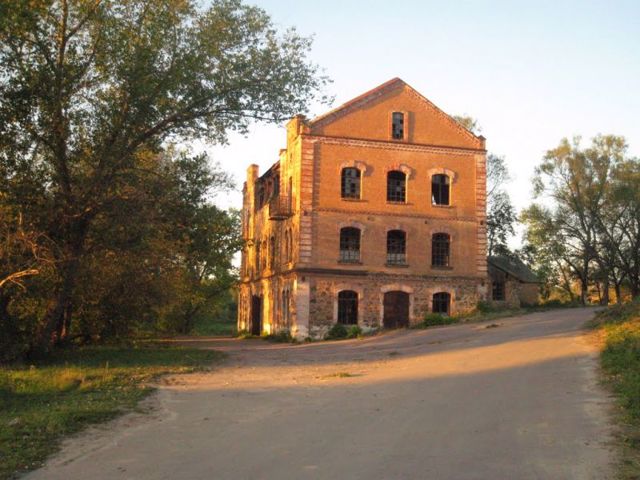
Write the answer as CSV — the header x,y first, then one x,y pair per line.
x,y
396,309
256,315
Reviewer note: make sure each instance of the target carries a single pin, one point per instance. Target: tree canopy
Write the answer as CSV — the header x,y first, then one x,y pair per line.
x,y
98,201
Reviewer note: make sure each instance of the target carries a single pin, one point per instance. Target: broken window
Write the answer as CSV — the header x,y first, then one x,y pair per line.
x,y
349,244
348,307
396,186
498,291
440,247
441,303
440,190
350,183
397,125
396,247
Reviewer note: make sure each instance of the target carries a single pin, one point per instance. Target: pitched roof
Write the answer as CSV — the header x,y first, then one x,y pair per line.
x,y
379,91
514,267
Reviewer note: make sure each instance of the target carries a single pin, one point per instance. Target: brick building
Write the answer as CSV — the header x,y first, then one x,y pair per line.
x,y
373,215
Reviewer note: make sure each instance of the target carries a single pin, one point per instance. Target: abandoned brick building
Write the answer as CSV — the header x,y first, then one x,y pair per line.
x,y
373,215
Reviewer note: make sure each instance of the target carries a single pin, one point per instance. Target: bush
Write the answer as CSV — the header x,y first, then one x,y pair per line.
x,y
434,319
484,307
354,331
337,332
283,336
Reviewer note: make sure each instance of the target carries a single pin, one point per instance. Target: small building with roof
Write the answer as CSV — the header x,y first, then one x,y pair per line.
x,y
513,284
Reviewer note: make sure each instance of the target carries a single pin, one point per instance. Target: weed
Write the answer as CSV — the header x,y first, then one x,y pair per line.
x,y
42,403
337,332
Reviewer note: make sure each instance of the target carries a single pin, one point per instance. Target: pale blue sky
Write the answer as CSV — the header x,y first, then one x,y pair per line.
x,y
530,72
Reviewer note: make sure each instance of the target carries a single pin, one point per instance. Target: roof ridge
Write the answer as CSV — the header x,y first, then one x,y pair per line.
x,y
360,98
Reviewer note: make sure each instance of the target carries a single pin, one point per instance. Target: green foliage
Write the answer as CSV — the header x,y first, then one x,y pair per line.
x,y
283,336
106,229
621,363
41,403
337,332
587,230
485,307
354,331
436,319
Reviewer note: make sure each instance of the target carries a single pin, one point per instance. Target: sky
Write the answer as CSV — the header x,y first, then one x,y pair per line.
x,y
531,73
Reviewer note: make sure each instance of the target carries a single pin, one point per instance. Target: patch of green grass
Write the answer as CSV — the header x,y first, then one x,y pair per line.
x,y
620,358
218,328
42,403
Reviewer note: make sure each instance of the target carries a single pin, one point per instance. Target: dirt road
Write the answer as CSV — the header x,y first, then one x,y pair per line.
x,y
516,399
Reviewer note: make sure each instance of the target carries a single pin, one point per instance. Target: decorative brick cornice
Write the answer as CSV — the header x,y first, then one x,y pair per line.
x,y
393,214
393,146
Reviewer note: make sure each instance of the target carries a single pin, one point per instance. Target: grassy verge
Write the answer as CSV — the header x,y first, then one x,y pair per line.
x,y
217,328
486,313
620,328
42,403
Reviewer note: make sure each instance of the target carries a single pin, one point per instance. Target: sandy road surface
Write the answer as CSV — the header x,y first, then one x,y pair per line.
x,y
515,401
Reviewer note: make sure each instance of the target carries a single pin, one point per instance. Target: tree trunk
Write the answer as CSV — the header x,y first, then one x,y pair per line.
x,y
618,293
57,319
604,300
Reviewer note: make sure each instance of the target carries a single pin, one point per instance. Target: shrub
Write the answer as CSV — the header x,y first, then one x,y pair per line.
x,y
434,319
283,336
354,331
484,307
336,332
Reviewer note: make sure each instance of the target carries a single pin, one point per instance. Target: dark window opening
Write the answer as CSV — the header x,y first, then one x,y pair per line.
x,y
396,186
441,303
272,252
348,307
498,291
397,125
440,190
349,244
440,247
396,247
258,255
350,183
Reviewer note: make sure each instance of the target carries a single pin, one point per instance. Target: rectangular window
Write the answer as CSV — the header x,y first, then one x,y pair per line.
x,y
349,245
397,125
350,183
396,247
396,186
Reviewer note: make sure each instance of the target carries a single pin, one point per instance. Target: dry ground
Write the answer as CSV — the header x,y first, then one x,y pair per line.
x,y
514,399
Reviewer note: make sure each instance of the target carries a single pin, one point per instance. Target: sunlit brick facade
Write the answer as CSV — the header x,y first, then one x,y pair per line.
x,y
373,215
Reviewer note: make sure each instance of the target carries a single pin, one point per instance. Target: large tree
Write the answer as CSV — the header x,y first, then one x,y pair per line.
x,y
587,196
92,92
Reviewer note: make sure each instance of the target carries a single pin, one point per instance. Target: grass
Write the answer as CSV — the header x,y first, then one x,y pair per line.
x,y
620,358
42,403
486,312
215,328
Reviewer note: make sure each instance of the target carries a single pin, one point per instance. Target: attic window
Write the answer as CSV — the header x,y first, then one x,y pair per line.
x,y
397,125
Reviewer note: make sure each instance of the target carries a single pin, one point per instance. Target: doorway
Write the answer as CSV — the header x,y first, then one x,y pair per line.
x,y
396,310
256,315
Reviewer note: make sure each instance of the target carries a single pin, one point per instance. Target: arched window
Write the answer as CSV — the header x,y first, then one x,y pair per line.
x,y
396,186
396,247
397,125
441,303
272,252
258,259
440,249
265,254
349,244
440,190
348,307
350,183
285,307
